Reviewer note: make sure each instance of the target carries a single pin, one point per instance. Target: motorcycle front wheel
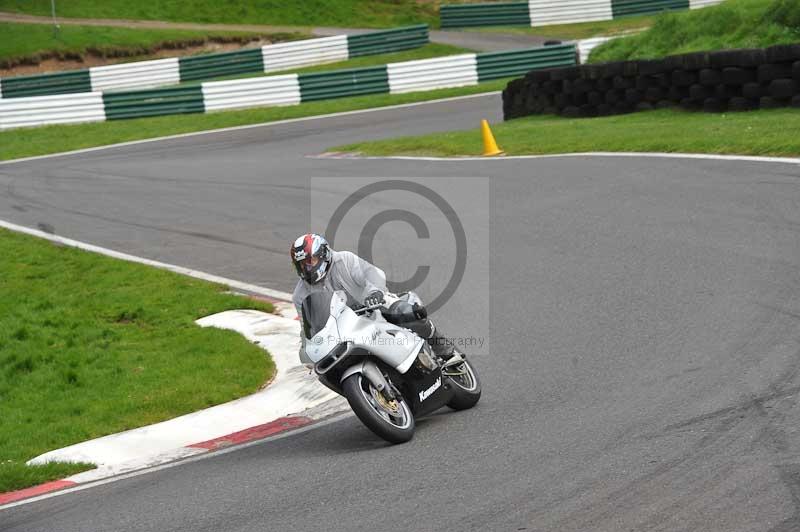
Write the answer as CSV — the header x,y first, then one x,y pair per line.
x,y
391,420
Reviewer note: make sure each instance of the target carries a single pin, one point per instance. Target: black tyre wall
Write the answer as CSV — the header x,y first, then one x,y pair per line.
x,y
735,80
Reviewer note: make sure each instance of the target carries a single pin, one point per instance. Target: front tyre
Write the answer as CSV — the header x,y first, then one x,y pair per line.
x,y
391,420
465,383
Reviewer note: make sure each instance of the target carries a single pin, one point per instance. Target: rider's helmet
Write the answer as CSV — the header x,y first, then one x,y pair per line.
x,y
311,256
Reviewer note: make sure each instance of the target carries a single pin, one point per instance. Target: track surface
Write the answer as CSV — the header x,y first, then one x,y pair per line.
x,y
646,338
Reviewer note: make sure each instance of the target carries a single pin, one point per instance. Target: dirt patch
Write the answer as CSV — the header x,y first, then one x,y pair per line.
x,y
58,61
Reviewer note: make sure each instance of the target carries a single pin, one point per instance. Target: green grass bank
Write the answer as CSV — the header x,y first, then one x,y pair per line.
x,y
32,43
345,13
91,346
732,24
767,132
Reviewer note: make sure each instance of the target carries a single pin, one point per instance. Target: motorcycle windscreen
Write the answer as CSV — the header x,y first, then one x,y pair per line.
x,y
316,309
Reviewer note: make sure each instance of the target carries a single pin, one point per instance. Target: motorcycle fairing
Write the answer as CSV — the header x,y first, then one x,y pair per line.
x,y
395,346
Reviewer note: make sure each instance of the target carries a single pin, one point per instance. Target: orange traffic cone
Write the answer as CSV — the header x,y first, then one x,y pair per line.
x,y
490,148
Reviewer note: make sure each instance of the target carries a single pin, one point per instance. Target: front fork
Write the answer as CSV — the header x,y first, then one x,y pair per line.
x,y
372,372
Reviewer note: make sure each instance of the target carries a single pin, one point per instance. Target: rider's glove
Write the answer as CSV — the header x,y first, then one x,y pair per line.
x,y
374,299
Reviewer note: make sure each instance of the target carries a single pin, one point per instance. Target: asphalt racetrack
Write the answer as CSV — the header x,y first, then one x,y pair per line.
x,y
644,326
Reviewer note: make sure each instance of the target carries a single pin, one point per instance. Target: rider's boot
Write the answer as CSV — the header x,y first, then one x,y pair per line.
x,y
442,346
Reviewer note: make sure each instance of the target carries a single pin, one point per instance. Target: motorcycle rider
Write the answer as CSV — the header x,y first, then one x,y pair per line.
x,y
320,268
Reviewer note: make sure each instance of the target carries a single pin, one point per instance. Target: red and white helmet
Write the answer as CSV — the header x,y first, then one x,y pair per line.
x,y
311,256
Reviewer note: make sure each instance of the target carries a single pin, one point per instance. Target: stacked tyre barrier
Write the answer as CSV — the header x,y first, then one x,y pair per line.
x,y
547,12
174,70
291,89
726,80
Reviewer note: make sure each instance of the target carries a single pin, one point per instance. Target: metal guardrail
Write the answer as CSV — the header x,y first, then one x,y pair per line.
x,y
698,4
47,84
285,56
547,12
496,65
340,83
55,109
209,66
140,74
471,69
269,58
625,8
252,92
395,40
495,14
436,73
153,102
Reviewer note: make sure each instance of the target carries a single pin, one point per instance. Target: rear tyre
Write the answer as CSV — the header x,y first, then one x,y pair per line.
x,y
466,385
395,425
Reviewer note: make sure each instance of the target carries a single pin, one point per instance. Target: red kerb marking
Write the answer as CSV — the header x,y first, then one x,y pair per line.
x,y
33,491
254,433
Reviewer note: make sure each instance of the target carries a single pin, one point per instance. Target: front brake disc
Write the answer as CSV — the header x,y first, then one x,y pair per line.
x,y
392,407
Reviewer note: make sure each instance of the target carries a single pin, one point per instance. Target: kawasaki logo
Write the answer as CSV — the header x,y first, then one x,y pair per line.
x,y
424,394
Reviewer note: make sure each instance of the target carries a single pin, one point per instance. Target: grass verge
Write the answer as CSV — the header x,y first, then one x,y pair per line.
x,y
27,142
345,13
31,43
767,132
732,24
581,30
91,346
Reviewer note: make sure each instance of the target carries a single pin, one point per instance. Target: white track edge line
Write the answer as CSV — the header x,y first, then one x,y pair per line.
x,y
246,287
251,126
168,465
750,158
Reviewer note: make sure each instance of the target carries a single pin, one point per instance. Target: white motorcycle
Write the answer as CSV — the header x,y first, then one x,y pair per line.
x,y
388,374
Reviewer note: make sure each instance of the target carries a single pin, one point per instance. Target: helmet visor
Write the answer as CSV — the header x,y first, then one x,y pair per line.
x,y
310,263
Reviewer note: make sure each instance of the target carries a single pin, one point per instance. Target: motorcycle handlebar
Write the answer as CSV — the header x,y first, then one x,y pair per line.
x,y
363,309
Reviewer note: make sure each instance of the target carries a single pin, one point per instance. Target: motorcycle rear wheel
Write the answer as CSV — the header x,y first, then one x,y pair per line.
x,y
466,385
364,400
